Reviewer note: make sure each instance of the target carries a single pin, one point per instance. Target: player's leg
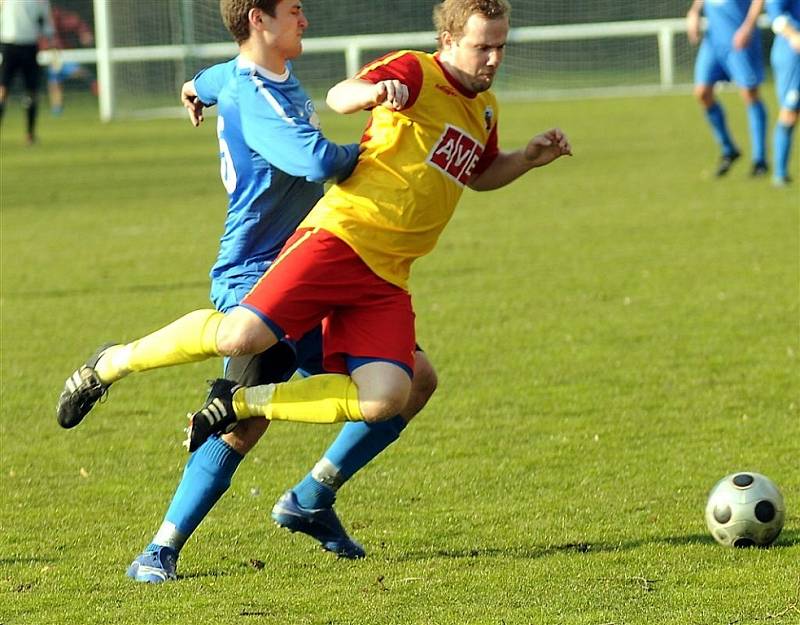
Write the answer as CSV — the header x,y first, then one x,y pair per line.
x,y
8,69
209,472
308,506
31,73
787,88
55,90
757,123
784,131
707,72
745,67
196,336
365,315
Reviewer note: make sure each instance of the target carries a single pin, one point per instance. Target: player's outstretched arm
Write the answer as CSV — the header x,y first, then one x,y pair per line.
x,y
693,22
542,150
354,94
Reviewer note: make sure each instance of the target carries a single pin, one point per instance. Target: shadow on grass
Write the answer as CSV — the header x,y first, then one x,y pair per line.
x,y
104,288
787,539
31,560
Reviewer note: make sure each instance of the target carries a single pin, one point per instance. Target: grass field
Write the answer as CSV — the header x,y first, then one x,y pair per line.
x,y
612,334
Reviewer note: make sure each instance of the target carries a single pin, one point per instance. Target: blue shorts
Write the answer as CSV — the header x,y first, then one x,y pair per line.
x,y
66,71
786,67
743,67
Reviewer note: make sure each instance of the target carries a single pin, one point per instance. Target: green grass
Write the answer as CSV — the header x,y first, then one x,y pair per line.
x,y
612,334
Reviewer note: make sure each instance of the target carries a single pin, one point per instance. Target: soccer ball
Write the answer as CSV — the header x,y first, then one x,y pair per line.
x,y
744,510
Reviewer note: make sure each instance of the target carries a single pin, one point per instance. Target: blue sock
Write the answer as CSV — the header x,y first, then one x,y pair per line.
x,y
757,118
782,148
205,479
356,444
716,118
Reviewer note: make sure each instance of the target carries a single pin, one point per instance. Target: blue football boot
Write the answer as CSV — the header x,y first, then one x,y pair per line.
x,y
319,523
154,566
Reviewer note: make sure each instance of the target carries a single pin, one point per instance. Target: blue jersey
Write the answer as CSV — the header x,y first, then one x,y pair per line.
x,y
717,59
790,9
273,160
724,19
785,59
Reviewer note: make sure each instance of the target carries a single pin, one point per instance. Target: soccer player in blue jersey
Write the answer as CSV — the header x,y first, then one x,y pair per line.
x,y
273,159
730,51
785,59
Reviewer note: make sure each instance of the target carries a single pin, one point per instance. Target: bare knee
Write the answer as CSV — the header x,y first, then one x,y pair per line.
x,y
242,332
384,407
422,387
704,95
383,390
788,117
246,434
750,95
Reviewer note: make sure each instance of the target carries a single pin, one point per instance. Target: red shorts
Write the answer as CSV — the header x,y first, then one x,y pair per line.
x,y
317,278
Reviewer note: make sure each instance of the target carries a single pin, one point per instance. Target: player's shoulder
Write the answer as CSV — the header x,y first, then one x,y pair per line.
x,y
398,61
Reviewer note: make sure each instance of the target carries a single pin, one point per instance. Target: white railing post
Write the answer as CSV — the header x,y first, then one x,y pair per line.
x,y
105,73
352,59
666,56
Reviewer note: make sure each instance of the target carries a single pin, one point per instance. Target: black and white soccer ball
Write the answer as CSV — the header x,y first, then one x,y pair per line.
x,y
745,509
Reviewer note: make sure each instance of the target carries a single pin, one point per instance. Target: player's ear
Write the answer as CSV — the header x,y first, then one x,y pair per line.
x,y
446,40
256,18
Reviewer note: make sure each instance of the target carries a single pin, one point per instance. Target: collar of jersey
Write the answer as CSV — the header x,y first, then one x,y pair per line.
x,y
250,66
453,80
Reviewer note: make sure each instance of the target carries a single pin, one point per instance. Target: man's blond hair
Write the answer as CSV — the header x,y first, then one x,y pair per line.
x,y
451,16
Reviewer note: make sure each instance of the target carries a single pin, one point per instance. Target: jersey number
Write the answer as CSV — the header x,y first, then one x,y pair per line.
x,y
226,169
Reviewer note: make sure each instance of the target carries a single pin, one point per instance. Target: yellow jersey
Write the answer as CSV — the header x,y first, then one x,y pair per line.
x,y
413,166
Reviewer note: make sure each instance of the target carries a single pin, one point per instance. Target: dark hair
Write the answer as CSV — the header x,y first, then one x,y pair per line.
x,y
235,15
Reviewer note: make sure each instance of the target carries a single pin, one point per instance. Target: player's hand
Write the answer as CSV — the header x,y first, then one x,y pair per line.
x,y
547,147
192,103
741,38
392,94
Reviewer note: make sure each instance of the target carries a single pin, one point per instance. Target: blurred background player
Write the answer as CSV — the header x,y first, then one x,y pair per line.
x,y
265,206
730,51
785,59
71,31
22,24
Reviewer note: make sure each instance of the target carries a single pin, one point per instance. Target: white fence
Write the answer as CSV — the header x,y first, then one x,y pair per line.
x,y
105,55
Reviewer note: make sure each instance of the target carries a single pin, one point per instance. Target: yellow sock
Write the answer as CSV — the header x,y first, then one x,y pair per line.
x,y
191,338
328,398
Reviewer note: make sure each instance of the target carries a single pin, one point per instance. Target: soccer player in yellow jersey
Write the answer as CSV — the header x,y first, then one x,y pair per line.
x,y
432,131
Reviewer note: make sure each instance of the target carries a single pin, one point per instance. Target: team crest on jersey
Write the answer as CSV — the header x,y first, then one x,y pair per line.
x,y
488,117
456,154
313,118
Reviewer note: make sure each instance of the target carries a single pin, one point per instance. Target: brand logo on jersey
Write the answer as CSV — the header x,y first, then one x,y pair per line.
x,y
446,89
456,154
488,117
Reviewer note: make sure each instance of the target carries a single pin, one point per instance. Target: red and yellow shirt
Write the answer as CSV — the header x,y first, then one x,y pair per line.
x,y
413,168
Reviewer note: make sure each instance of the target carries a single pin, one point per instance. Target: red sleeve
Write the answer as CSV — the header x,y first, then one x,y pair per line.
x,y
490,152
402,66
